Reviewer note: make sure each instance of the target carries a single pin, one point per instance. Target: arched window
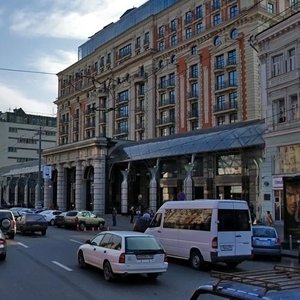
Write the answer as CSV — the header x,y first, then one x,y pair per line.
x,y
217,41
234,34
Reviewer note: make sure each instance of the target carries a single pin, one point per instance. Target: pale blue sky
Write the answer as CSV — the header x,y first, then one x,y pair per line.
x,y
43,36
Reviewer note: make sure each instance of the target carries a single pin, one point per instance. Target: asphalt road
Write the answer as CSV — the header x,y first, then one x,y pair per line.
x,y
44,268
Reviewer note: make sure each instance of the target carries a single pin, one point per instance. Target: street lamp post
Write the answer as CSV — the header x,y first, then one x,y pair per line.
x,y
39,193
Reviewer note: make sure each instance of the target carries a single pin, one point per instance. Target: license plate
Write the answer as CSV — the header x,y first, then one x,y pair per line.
x,y
144,257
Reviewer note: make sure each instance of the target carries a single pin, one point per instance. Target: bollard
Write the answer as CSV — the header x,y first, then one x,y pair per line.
x,y
291,242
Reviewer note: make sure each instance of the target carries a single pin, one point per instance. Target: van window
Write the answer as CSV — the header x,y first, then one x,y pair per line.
x,y
192,219
233,220
156,221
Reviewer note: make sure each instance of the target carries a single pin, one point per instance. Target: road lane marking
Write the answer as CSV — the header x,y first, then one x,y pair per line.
x,y
74,241
62,266
23,245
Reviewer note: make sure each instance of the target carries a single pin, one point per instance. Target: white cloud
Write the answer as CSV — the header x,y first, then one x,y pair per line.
x,y
11,98
75,19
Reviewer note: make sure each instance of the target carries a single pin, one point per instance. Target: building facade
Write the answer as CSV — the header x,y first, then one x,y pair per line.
x,y
23,136
165,68
279,51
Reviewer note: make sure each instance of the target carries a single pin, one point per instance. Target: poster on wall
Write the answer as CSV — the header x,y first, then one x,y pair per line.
x,y
291,187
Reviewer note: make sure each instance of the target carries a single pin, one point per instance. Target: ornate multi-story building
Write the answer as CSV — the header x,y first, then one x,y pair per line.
x,y
165,68
279,51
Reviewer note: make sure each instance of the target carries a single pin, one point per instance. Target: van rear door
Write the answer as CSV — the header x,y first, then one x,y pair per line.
x,y
234,231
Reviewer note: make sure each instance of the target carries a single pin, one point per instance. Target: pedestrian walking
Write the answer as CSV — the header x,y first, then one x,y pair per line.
x,y
114,216
132,213
269,219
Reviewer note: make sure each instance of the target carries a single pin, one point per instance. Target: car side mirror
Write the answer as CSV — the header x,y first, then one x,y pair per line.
x,y
88,242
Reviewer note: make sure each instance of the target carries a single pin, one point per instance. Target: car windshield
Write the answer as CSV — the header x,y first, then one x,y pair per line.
x,y
5,215
264,232
134,243
34,217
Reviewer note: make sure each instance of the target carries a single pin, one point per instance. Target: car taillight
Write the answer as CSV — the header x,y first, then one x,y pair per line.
x,y
278,241
214,243
2,242
122,258
166,258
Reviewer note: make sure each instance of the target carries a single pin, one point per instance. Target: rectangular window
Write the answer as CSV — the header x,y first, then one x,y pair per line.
x,y
281,111
188,218
219,62
216,19
220,82
194,71
294,108
216,4
291,60
233,100
233,118
277,64
231,57
125,51
220,102
271,8
173,25
171,81
188,33
233,220
161,32
233,11
194,90
232,76
173,40
123,96
220,120
199,12
147,38
230,164
138,43
199,27
161,46
162,82
194,50
188,17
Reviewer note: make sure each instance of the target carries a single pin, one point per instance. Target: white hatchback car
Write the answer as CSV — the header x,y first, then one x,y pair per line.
x,y
50,215
124,253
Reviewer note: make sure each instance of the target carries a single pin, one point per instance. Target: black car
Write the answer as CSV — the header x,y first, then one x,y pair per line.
x,y
2,246
32,223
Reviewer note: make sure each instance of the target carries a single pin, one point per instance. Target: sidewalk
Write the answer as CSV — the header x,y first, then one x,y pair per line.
x,y
123,223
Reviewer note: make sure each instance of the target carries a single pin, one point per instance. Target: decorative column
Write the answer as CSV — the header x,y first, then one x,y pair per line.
x,y
153,189
36,196
188,182
26,191
124,192
61,188
7,193
48,203
79,199
99,186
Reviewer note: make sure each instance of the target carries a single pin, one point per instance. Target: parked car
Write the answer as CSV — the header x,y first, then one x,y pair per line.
x,y
281,282
3,247
19,211
32,223
59,220
265,241
123,253
7,223
50,215
83,219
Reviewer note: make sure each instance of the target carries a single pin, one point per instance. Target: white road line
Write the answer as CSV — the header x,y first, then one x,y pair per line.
x,y
62,266
77,242
23,245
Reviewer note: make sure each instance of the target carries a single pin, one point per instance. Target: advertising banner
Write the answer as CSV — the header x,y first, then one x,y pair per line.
x,y
291,187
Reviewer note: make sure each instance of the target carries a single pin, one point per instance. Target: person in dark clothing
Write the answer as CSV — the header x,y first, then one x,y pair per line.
x,y
142,223
114,216
132,213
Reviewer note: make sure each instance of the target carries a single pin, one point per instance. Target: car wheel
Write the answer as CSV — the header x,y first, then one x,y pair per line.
x,y
232,264
107,271
11,236
196,259
152,276
80,259
3,256
5,223
43,232
52,222
82,226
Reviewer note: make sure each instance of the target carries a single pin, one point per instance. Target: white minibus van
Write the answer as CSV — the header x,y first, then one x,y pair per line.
x,y
204,231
